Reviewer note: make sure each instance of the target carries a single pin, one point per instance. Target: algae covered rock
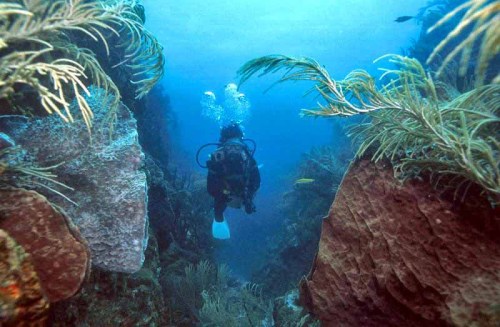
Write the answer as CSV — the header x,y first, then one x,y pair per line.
x,y
104,171
59,254
395,254
22,302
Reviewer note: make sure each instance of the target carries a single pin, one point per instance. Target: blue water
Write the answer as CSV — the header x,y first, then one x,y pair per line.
x,y
207,41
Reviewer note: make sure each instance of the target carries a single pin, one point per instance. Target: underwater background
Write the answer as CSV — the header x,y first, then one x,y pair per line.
x,y
377,129
209,41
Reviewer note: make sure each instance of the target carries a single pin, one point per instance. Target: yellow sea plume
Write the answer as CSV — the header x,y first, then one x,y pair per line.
x,y
34,33
480,23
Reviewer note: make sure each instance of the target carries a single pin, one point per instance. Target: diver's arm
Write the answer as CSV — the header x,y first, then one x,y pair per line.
x,y
215,184
254,178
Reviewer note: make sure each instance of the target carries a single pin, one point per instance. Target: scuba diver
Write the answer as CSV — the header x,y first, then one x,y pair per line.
x,y
233,176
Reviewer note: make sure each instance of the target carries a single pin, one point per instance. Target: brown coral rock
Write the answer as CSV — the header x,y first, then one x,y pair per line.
x,y
399,255
22,302
59,254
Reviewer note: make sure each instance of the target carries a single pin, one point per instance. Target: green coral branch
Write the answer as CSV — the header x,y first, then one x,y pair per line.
x,y
143,52
438,139
356,94
148,65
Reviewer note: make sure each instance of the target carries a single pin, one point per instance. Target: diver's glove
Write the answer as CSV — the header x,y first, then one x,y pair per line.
x,y
250,207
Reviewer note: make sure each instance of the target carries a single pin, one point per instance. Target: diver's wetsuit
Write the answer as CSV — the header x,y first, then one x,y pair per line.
x,y
232,173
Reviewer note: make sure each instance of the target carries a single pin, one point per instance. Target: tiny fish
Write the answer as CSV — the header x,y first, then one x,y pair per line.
x,y
403,19
304,181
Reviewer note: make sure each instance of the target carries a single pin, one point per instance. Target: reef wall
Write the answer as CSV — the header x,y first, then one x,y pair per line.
x,y
394,254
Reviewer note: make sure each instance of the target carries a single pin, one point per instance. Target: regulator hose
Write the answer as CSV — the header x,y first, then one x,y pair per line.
x,y
199,150
252,152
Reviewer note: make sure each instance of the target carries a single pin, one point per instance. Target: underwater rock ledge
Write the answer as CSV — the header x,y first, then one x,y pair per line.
x,y
106,174
394,254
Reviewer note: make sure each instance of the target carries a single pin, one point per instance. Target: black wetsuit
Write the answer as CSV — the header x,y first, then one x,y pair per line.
x,y
232,172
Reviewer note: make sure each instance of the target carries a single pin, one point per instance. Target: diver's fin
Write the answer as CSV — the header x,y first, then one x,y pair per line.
x,y
220,230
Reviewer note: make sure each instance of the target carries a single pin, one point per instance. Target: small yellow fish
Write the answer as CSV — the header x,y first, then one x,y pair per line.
x,y
304,181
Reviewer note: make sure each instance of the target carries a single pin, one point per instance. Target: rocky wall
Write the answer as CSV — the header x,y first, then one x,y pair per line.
x,y
104,172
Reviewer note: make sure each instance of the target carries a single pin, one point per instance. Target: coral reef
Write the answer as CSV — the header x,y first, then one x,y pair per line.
x,y
178,207
104,174
22,301
201,294
199,278
59,254
395,254
178,203
156,122
244,307
211,297
293,247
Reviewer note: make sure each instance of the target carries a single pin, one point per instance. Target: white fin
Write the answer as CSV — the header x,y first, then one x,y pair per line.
x,y
220,230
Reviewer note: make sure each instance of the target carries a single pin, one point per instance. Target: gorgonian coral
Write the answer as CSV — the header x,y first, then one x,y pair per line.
x,y
40,48
411,123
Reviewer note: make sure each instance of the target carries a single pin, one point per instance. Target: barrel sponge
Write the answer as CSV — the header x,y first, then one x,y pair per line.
x,y
59,254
